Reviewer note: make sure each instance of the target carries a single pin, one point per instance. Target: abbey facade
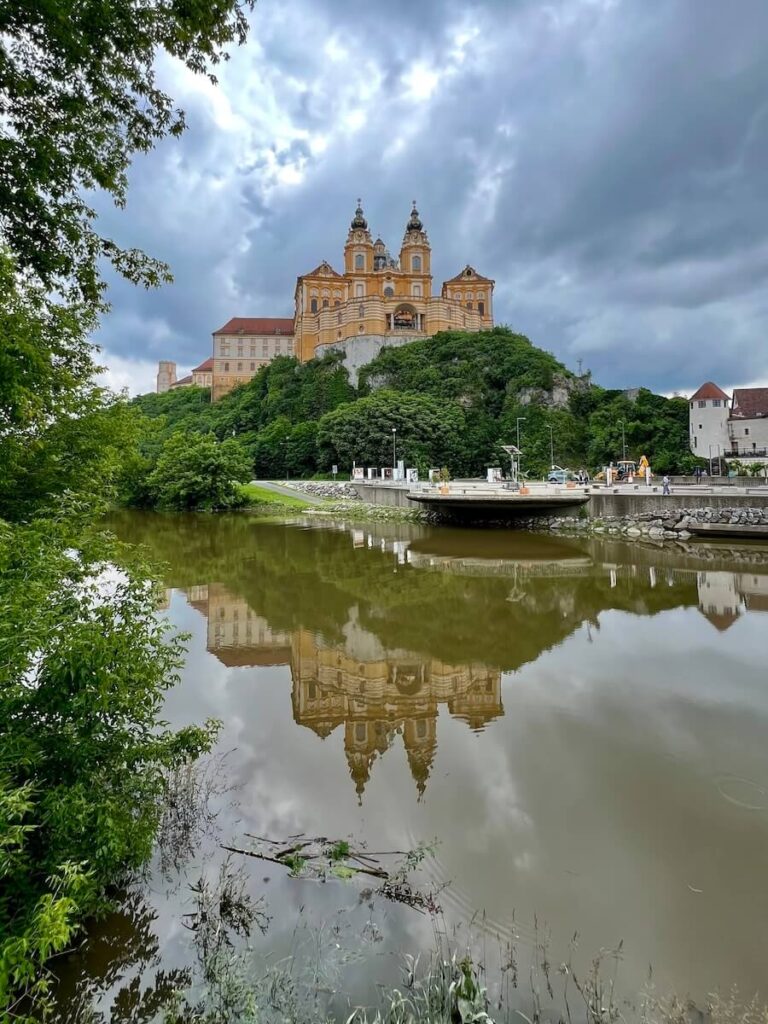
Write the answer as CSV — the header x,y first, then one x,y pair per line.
x,y
377,301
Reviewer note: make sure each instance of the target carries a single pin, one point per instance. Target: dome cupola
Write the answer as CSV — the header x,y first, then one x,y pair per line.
x,y
359,221
414,221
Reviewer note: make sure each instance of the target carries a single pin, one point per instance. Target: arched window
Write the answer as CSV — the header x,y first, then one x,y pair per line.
x,y
481,308
361,311
389,292
313,305
359,261
416,264
325,303
417,290
457,296
338,317
336,302
469,305
359,290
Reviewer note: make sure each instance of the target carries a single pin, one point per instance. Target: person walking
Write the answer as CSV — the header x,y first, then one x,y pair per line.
x,y
665,485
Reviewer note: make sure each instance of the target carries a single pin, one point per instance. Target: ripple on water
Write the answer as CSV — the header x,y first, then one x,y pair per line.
x,y
743,792
457,903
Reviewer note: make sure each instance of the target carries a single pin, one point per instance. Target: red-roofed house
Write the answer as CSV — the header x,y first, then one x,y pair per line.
x,y
243,345
735,429
202,375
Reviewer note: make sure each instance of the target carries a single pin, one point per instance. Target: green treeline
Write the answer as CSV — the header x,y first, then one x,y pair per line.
x,y
85,756
452,400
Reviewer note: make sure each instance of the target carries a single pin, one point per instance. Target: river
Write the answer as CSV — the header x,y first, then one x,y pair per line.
x,y
580,725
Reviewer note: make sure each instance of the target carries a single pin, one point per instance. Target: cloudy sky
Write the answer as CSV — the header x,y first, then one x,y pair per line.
x,y
606,161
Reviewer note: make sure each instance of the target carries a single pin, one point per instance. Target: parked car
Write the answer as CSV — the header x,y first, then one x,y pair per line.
x,y
557,475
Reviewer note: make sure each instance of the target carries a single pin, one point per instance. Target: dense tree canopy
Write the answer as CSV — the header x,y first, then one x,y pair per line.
x,y
78,98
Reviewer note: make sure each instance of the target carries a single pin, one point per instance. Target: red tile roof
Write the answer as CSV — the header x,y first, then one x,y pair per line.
x,y
709,390
749,403
257,325
204,367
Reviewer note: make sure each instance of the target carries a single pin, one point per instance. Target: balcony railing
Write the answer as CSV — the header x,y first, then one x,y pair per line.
x,y
746,453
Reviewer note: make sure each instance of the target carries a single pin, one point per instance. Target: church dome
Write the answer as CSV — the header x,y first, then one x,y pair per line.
x,y
414,222
359,221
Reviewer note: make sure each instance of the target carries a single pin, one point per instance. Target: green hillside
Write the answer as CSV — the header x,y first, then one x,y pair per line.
x,y
453,399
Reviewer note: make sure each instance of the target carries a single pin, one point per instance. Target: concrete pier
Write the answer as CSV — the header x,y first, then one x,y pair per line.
x,y
618,500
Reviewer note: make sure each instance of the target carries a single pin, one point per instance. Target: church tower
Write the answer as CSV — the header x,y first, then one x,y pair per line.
x,y
358,252
416,256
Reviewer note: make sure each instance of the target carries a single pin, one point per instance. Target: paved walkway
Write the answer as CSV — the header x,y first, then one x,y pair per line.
x,y
292,492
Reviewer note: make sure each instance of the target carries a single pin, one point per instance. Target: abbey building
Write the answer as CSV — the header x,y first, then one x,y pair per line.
x,y
378,300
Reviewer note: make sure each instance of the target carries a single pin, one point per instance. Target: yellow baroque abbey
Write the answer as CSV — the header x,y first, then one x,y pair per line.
x,y
379,300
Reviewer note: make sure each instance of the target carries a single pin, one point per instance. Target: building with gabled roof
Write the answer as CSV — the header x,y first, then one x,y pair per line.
x,y
377,300
243,345
383,300
729,428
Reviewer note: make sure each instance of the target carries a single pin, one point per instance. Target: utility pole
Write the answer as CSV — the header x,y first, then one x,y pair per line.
x,y
394,451
551,444
623,443
578,363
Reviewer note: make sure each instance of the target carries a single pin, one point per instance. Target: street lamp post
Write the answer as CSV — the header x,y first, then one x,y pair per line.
x,y
394,451
623,443
551,444
287,440
520,419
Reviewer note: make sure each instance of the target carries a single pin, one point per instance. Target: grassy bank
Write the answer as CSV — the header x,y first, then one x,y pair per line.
x,y
260,497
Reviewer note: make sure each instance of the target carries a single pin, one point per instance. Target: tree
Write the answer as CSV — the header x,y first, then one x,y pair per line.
x,y
198,472
78,98
84,663
427,432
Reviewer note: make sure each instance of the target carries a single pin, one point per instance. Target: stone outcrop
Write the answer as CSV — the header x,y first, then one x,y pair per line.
x,y
558,396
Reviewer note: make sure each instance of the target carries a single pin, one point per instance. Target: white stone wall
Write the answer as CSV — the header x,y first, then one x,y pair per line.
x,y
363,349
749,435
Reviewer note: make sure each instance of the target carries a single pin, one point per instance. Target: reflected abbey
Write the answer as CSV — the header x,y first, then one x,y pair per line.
x,y
378,662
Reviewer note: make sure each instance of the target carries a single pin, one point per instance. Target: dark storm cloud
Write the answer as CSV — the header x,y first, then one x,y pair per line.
x,y
604,160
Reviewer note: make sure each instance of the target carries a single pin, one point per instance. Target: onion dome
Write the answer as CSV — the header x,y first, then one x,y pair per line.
x,y
414,222
359,221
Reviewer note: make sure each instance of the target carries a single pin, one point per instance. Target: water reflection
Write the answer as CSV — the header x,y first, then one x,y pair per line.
x,y
388,663
581,723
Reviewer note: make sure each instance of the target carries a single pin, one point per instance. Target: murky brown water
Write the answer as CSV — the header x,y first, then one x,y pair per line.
x,y
582,725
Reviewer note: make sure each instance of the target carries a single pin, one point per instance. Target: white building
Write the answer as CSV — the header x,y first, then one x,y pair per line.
x,y
729,428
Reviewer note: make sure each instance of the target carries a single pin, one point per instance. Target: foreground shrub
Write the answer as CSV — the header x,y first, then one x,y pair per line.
x,y
84,664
